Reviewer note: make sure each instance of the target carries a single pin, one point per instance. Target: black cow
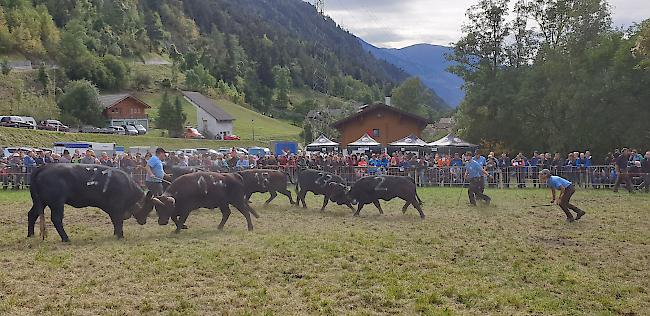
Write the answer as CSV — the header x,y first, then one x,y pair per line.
x,y
197,190
370,189
175,172
322,183
111,190
262,181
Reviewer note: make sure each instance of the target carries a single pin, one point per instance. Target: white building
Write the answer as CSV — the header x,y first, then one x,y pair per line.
x,y
211,119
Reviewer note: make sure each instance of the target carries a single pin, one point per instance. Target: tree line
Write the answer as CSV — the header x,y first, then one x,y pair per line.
x,y
553,75
251,52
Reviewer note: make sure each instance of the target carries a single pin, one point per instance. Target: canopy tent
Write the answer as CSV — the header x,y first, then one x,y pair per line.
x,y
452,144
323,143
409,143
365,144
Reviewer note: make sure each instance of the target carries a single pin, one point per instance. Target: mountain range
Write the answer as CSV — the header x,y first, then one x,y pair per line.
x,y
427,62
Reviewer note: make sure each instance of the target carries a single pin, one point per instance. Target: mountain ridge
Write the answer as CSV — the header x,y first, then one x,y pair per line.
x,y
426,61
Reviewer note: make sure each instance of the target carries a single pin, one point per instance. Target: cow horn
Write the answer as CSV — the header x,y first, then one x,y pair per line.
x,y
158,202
171,199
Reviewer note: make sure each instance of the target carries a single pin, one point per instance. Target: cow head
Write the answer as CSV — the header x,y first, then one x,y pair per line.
x,y
142,208
165,206
351,195
338,193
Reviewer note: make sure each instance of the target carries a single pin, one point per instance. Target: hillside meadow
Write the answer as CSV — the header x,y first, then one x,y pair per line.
x,y
505,259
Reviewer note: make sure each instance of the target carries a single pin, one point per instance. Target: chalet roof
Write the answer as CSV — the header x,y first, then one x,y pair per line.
x,y
323,141
108,100
365,140
451,140
407,141
207,105
379,106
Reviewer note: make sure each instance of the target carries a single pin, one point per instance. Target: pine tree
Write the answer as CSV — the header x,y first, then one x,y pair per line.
x,y
179,117
165,113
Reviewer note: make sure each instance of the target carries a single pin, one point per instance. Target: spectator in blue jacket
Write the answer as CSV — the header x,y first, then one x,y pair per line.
x,y
29,163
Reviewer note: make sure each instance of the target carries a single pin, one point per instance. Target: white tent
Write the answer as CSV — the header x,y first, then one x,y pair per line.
x,y
365,144
366,141
321,143
452,143
408,141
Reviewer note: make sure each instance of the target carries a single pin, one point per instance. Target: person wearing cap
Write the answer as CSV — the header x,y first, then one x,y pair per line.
x,y
566,189
476,175
155,172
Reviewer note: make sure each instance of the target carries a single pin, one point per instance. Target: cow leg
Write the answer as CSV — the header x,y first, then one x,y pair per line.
x,y
405,207
248,197
359,207
325,201
57,220
246,211
418,206
350,206
118,224
301,197
287,193
181,221
225,214
175,220
376,203
273,195
32,216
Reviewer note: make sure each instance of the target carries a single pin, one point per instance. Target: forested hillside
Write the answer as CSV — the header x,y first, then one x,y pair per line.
x,y
553,75
252,51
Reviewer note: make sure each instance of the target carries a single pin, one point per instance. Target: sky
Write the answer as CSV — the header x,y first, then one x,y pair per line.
x,y
400,23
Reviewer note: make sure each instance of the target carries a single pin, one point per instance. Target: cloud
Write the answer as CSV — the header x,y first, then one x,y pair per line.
x,y
394,23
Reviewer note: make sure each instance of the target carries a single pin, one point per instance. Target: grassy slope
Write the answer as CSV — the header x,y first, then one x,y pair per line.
x,y
504,259
20,137
266,128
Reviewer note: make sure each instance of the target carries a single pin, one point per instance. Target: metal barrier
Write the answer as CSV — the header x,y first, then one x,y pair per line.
x,y
594,177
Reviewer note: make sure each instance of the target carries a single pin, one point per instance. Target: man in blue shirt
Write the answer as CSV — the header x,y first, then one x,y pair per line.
x,y
155,172
29,163
475,173
566,191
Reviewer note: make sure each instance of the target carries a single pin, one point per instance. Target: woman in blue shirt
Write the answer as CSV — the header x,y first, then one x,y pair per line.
x,y
566,191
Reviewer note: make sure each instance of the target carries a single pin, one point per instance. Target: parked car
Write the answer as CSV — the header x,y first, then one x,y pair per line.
x,y
186,151
30,120
130,130
118,130
193,133
231,137
141,130
14,121
259,151
8,151
202,151
227,150
53,125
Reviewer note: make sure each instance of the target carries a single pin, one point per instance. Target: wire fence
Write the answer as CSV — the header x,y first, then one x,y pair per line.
x,y
594,177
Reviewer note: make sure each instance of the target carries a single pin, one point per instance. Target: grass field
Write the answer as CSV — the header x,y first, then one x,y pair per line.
x,y
10,137
504,259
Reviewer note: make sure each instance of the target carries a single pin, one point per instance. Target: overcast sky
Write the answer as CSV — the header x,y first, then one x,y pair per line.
x,y
400,23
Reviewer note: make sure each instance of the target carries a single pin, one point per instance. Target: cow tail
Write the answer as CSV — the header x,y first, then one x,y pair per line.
x,y
289,177
33,191
418,197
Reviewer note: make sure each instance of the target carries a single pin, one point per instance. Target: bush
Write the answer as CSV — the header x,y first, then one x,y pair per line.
x,y
81,102
5,67
142,81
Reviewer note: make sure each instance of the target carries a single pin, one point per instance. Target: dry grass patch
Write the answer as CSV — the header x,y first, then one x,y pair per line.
x,y
504,259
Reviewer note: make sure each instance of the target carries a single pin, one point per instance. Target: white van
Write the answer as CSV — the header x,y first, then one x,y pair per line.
x,y
30,120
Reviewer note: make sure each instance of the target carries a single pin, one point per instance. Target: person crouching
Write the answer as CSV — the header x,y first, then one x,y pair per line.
x,y
566,192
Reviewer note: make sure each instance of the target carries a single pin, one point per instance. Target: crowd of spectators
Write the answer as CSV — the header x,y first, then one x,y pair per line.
x,y
627,166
